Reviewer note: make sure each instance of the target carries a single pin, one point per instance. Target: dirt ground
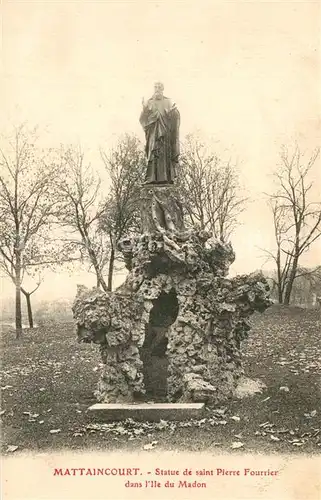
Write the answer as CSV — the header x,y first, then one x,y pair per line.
x,y
48,381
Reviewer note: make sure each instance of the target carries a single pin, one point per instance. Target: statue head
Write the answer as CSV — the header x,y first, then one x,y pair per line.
x,y
158,90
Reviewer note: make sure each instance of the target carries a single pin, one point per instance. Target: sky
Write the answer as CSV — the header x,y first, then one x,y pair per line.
x,y
245,75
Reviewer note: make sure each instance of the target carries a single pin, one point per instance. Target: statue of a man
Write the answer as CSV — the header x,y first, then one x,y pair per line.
x,y
160,120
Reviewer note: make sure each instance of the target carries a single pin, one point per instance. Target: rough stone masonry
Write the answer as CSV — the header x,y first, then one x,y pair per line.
x,y
176,307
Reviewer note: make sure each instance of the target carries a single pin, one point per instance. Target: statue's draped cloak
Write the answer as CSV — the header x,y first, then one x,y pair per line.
x,y
160,120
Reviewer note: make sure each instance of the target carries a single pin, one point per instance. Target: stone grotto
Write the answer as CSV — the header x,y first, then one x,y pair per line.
x,y
173,331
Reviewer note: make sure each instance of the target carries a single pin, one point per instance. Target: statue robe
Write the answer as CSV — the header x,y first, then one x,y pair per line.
x,y
160,120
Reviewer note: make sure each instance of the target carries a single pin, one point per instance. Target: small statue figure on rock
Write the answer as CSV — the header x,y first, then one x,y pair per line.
x,y
160,120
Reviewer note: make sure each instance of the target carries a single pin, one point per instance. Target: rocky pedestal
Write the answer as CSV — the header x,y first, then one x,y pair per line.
x,y
173,330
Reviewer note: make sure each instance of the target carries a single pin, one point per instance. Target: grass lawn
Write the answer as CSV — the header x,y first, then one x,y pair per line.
x,y
48,381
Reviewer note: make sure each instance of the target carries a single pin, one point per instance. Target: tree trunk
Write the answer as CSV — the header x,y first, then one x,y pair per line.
x,y
29,308
18,295
99,278
280,282
280,294
288,291
289,285
111,269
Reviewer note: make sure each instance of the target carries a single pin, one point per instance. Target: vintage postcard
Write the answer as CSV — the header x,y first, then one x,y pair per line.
x,y
160,243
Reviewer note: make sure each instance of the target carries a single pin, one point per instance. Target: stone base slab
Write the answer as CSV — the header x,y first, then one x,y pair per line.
x,y
147,411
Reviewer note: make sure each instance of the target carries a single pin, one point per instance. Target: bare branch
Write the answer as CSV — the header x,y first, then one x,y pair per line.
x,y
296,217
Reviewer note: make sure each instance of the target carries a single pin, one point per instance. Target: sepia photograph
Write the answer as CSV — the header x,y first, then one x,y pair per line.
x,y
160,250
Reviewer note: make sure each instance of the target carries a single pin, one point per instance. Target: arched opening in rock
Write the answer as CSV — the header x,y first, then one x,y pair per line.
x,y
153,353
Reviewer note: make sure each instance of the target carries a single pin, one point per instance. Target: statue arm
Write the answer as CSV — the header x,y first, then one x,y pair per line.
x,y
148,114
144,116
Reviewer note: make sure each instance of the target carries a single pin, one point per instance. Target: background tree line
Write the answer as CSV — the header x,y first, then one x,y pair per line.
x,y
55,209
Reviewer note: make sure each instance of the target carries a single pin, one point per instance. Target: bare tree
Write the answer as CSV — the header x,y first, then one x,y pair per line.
x,y
306,286
27,210
296,218
28,295
79,188
209,189
125,166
